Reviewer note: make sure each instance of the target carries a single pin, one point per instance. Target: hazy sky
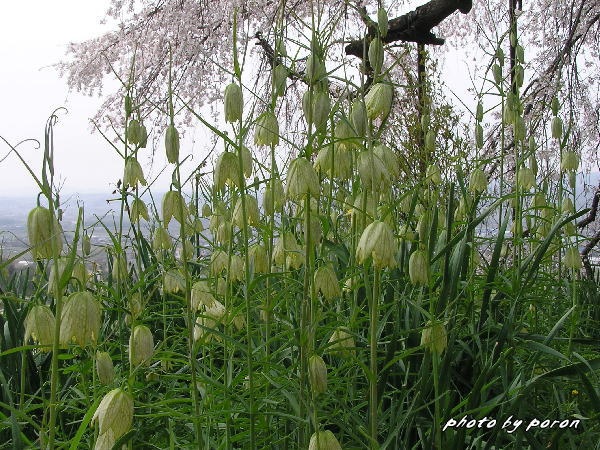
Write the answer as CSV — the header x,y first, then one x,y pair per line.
x,y
34,35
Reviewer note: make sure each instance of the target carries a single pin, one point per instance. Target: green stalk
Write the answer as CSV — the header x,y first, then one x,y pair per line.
x,y
373,321
242,184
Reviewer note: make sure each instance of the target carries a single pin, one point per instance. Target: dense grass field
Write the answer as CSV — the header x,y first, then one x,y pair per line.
x,y
372,281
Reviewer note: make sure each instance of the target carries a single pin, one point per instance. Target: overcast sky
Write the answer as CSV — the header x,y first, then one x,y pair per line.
x,y
33,36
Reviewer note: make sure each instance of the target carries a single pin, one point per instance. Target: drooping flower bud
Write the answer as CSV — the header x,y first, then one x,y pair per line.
x,y
173,282
342,343
172,144
173,205
555,105
201,295
287,251
39,326
128,105
326,282
133,173
569,161
389,159
86,245
321,106
246,161
382,22
133,132
418,267
302,180
377,241
138,210
433,174
520,53
478,181
519,128
143,136
186,251
252,212
226,171
114,416
43,231
104,367
373,173
434,337
280,74
315,69
526,178
345,137
204,329
567,206
497,73
358,117
557,128
267,129
257,255
376,55
379,100
479,112
135,306
218,262
479,136
334,162
162,240
317,374
519,75
141,346
573,258
236,268
234,102
224,231
206,210
80,320
324,440
119,268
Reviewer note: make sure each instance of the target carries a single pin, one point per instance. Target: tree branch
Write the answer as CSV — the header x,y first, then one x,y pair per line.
x,y
416,25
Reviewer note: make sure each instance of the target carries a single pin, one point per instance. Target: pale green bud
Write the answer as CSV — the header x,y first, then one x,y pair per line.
x,y
141,346
434,337
173,206
418,267
317,374
114,416
478,181
43,232
234,102
39,326
138,210
172,144
302,179
569,161
573,258
326,282
377,241
267,130
382,22
104,367
378,100
375,55
80,320
324,440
